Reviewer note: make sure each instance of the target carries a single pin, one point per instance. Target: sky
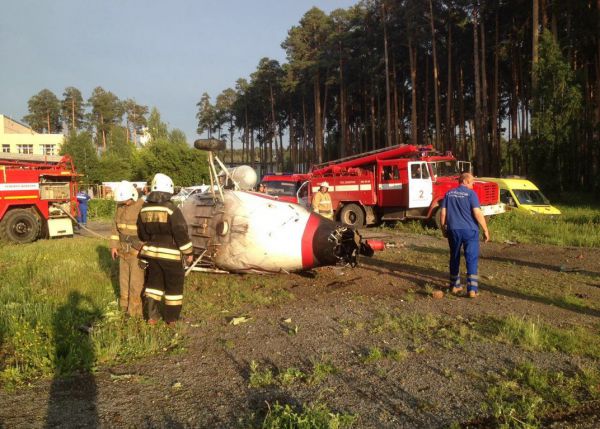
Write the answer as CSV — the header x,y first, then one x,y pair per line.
x,y
160,53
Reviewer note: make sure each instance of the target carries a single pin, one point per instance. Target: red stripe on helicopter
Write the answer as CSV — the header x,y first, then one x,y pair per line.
x,y
308,259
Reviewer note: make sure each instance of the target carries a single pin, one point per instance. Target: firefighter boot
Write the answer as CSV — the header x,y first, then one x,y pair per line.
x,y
152,310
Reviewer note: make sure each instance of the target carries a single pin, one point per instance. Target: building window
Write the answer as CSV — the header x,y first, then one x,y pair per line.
x,y
25,148
48,149
5,148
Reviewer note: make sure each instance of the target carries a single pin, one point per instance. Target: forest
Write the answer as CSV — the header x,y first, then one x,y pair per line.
x,y
512,85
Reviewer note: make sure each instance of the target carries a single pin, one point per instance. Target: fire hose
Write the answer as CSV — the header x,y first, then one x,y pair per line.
x,y
83,226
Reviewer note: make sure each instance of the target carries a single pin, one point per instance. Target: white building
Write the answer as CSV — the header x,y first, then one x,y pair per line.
x,y
16,137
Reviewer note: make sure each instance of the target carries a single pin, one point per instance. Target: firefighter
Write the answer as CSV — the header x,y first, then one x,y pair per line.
x,y
125,245
262,188
321,202
163,230
461,218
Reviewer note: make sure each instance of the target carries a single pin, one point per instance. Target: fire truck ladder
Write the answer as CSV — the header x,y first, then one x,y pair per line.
x,y
390,152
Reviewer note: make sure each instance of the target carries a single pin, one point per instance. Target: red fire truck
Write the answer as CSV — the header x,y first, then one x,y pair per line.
x,y
285,186
396,183
36,192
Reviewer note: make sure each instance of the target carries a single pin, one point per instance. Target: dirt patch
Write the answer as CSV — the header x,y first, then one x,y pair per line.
x,y
395,356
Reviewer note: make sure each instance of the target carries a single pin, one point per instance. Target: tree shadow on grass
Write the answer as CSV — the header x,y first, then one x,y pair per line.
x,y
73,392
110,268
423,276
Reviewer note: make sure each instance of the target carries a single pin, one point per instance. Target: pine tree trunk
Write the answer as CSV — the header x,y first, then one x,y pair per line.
x,y
273,125
535,19
476,67
388,116
497,151
231,131
292,144
373,126
318,124
396,133
343,125
485,122
462,119
73,126
436,82
449,97
412,54
252,151
305,157
425,117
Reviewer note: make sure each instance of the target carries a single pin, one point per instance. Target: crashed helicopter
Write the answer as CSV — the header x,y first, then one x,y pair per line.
x,y
236,230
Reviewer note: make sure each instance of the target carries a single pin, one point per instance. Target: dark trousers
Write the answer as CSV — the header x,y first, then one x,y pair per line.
x,y
164,281
468,240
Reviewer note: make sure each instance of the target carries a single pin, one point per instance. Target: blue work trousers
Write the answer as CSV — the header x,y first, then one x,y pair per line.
x,y
467,239
82,215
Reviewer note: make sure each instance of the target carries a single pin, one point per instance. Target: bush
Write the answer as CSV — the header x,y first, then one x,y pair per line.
x,y
101,209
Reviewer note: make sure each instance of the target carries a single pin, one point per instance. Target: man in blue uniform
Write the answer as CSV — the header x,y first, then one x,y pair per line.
x,y
461,217
82,199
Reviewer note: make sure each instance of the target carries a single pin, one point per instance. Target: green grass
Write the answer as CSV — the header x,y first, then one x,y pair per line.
x,y
59,314
59,311
375,354
536,335
259,378
313,416
419,329
213,295
579,225
523,396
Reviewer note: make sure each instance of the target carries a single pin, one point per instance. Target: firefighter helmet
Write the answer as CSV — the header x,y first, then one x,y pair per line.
x,y
162,183
324,185
125,191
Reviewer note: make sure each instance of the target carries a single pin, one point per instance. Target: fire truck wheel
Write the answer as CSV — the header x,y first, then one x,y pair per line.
x,y
20,226
352,215
437,218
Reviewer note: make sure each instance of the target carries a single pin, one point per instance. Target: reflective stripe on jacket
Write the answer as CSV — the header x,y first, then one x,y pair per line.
x,y
163,229
124,227
321,203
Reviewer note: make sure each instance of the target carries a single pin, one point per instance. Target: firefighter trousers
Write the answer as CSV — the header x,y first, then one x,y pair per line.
x,y
131,283
164,281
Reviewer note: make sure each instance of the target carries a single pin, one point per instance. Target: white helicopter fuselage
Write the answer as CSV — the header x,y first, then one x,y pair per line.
x,y
251,232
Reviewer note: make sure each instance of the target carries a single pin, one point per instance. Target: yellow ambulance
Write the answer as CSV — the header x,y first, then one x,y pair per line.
x,y
521,194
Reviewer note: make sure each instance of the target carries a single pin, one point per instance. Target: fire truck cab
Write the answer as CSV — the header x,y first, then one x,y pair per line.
x,y
396,183
284,186
37,195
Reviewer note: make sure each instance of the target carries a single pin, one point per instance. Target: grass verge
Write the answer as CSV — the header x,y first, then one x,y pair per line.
x,y
314,415
524,396
578,225
59,314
